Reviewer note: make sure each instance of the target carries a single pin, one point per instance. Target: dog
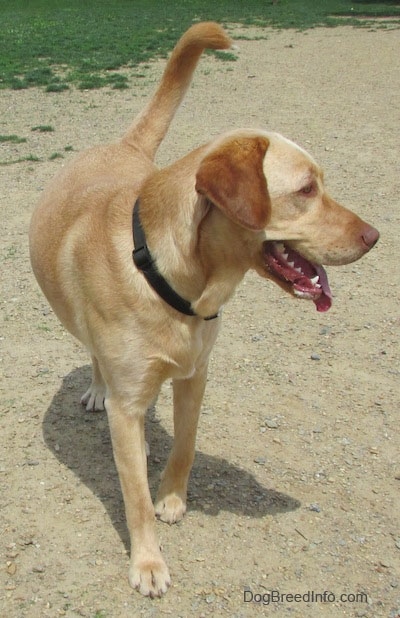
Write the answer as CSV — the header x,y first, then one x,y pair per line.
x,y
137,263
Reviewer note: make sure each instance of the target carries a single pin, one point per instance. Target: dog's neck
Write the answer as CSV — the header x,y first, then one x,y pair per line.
x,y
146,263
199,252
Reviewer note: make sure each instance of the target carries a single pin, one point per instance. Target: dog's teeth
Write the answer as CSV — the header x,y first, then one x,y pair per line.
x,y
285,256
315,280
280,247
291,264
301,294
298,270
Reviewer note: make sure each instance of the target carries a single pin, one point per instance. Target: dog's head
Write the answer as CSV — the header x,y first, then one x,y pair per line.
x,y
266,183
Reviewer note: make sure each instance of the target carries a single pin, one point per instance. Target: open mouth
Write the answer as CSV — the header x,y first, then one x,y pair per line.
x,y
306,279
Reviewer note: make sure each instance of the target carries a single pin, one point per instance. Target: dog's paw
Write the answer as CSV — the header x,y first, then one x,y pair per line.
x,y
93,399
150,577
170,509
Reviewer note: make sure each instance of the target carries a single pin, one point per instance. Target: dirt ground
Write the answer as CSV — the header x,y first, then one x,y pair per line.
x,y
295,487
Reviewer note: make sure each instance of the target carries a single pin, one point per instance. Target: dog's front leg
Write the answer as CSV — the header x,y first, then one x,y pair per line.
x,y
148,572
171,498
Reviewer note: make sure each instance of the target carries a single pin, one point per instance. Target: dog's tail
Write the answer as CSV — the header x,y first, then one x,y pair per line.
x,y
151,125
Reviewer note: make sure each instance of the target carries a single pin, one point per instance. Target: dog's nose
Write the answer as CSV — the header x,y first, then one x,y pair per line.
x,y
370,236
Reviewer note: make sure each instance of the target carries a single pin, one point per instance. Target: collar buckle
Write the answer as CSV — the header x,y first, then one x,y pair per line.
x,y
142,258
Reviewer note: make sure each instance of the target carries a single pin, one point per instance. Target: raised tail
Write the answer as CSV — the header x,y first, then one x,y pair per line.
x,y
150,126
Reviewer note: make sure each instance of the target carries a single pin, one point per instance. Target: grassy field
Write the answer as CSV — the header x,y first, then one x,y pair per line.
x,y
56,43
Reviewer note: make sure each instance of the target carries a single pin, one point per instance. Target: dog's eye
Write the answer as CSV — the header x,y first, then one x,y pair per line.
x,y
308,189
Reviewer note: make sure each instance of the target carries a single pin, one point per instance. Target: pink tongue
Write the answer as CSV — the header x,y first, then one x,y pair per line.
x,y
324,302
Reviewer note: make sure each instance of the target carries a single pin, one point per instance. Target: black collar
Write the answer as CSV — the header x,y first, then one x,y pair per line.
x,y
146,264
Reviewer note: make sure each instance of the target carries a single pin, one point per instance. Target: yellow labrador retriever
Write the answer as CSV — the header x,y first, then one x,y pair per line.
x,y
137,263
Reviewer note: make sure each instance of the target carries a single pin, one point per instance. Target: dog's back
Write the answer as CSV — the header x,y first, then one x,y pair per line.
x,y
85,188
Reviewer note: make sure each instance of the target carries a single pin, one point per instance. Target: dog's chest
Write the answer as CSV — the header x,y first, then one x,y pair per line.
x,y
191,350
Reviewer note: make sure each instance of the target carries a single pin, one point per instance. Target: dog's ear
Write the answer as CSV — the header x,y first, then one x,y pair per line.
x,y
232,177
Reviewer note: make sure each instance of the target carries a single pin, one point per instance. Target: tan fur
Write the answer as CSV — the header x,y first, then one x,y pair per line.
x,y
206,218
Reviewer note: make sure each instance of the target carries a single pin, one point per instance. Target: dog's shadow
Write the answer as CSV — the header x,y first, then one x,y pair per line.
x,y
81,441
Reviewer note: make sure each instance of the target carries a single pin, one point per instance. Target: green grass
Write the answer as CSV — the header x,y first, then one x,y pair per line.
x,y
55,155
43,128
55,43
13,139
11,253
31,158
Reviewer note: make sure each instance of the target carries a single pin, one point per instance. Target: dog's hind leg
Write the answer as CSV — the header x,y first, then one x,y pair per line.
x,y
94,397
